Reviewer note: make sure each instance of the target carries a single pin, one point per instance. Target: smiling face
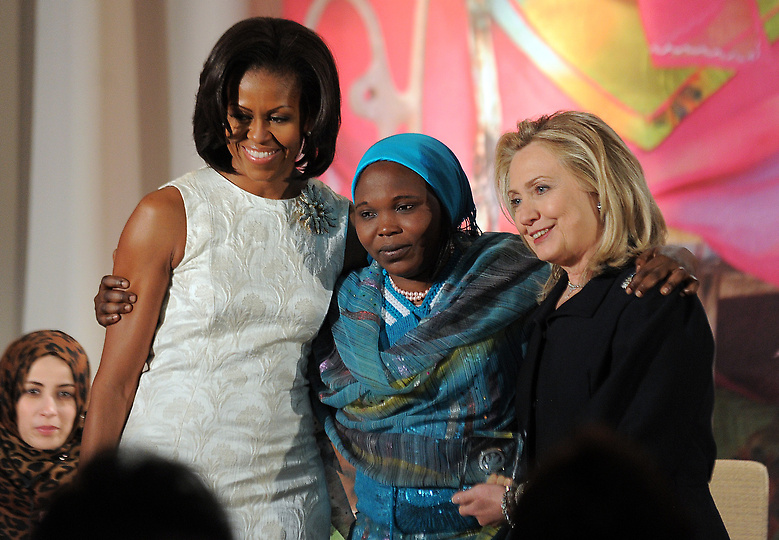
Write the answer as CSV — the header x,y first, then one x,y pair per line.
x,y
399,222
46,409
266,134
552,212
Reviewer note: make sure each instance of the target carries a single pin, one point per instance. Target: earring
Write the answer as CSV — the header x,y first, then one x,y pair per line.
x,y
599,207
300,152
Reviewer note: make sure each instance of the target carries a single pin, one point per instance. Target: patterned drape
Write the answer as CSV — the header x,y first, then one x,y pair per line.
x,y
692,86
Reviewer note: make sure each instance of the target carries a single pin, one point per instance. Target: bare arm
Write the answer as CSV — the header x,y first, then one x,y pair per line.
x,y
151,245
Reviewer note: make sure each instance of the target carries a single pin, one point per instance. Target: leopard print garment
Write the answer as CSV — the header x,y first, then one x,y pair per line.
x,y
28,476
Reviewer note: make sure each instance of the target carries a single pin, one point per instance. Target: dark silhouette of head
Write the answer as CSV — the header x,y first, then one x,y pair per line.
x,y
133,498
599,485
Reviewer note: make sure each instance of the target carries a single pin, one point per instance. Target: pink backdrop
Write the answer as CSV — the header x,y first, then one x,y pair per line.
x,y
702,113
692,86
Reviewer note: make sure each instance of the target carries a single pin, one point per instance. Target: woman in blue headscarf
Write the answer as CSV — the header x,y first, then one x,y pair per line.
x,y
421,356
417,361
418,371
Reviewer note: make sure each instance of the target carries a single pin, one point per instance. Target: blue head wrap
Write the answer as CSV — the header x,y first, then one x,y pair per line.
x,y
436,164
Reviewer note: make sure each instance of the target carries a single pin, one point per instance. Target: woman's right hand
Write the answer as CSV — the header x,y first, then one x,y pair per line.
x,y
482,501
113,300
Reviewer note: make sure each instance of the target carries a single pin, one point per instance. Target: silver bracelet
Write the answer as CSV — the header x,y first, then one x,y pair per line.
x,y
504,506
508,504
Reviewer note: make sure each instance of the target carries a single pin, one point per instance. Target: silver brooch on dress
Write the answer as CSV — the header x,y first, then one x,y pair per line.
x,y
312,212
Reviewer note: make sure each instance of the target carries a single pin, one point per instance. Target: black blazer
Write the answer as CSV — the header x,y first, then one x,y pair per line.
x,y
642,366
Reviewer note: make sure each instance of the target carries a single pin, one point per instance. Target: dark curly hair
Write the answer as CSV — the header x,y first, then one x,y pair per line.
x,y
281,47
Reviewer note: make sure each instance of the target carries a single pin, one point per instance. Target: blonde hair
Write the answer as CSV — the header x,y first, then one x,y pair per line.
x,y
586,146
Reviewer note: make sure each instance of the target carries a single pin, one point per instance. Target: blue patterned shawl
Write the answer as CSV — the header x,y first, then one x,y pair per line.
x,y
401,416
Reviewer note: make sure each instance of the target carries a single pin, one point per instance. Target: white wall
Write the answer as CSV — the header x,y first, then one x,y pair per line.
x,y
195,27
15,43
63,244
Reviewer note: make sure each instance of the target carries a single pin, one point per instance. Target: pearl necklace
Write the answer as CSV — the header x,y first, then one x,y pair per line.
x,y
411,296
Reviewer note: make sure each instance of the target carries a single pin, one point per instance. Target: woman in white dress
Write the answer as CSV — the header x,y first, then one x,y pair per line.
x,y
234,266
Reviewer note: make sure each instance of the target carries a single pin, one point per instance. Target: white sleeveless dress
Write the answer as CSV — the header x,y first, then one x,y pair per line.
x,y
226,390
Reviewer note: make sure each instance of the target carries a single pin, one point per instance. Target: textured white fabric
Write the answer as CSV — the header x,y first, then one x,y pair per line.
x,y
226,390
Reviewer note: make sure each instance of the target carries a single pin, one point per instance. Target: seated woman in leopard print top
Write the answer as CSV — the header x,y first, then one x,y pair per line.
x,y
44,382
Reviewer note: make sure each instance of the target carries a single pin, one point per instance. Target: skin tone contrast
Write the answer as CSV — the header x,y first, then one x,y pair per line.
x,y
46,408
398,221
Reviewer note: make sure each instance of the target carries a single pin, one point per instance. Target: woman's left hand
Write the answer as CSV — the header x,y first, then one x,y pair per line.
x,y
672,264
482,501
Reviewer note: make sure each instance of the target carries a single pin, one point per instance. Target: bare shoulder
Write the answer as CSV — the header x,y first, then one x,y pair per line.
x,y
157,226
162,205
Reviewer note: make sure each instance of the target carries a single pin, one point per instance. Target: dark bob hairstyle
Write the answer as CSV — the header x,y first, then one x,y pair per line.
x,y
282,47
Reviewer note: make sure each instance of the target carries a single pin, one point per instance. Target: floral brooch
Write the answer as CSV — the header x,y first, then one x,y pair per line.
x,y
312,212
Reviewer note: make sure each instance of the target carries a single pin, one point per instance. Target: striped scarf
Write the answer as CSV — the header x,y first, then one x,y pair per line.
x,y
403,415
